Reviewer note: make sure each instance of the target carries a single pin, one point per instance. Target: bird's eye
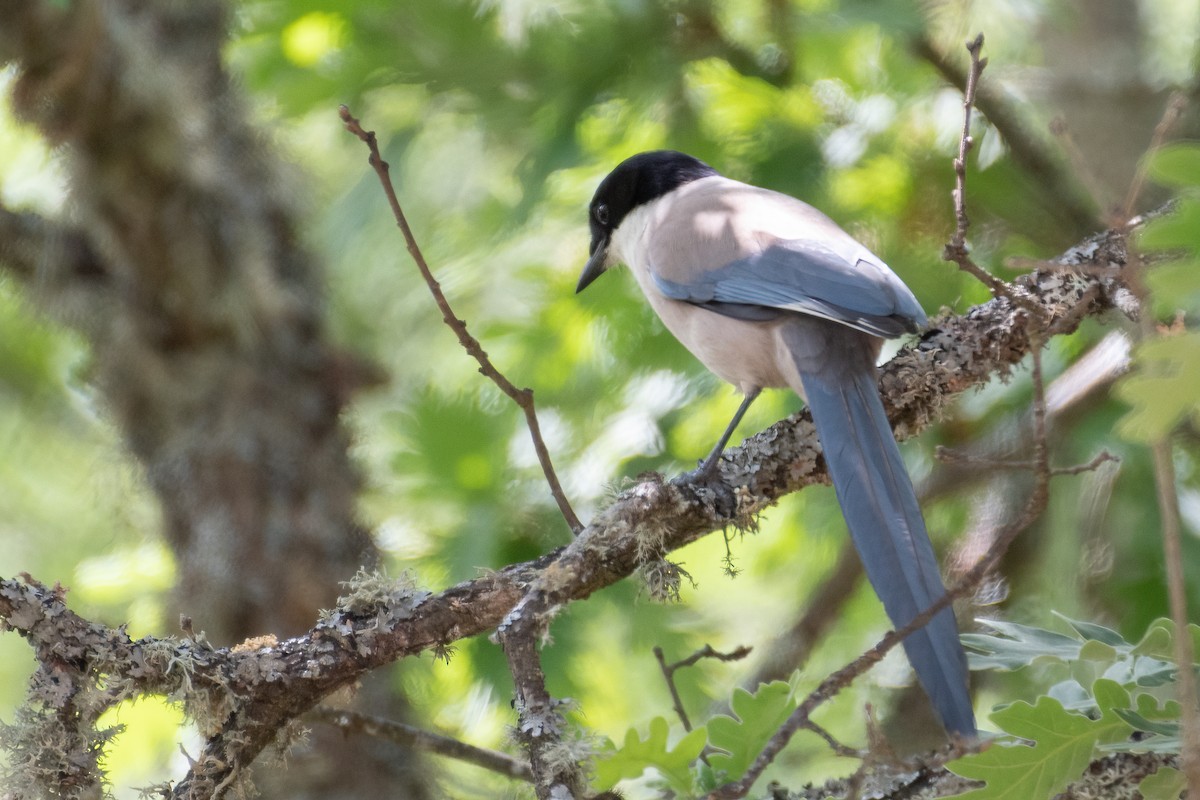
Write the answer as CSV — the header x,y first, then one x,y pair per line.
x,y
601,213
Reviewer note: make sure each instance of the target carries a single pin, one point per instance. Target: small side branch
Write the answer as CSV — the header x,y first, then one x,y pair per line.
x,y
956,249
1030,152
958,242
1174,110
669,670
948,456
522,397
541,724
409,736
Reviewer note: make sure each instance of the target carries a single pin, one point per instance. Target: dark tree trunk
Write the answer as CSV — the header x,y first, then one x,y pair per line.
x,y
184,269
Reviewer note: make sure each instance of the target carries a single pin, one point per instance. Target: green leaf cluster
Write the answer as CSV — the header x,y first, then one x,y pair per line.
x,y
733,743
1109,704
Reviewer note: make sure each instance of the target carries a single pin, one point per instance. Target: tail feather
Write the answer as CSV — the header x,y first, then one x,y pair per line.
x,y
888,530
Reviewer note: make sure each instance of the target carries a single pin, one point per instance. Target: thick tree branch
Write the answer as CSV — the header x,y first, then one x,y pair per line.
x,y
541,725
262,689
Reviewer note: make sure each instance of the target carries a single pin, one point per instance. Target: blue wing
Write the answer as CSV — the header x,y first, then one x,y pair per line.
x,y
847,285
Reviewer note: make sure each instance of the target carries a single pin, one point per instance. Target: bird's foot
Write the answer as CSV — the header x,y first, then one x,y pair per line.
x,y
708,470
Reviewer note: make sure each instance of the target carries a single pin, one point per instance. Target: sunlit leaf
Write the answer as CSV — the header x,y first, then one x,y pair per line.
x,y
637,755
1166,783
1176,164
312,37
758,716
1063,744
1164,388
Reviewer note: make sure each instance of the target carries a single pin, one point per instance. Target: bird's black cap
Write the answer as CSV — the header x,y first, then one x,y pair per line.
x,y
640,179
636,180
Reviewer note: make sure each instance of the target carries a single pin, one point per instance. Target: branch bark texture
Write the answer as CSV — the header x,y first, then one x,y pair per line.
x,y
261,689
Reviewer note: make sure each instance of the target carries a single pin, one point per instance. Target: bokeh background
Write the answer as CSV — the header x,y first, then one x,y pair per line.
x,y
499,118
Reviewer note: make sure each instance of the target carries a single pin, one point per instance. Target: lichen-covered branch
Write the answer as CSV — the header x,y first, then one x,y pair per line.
x,y
260,689
541,724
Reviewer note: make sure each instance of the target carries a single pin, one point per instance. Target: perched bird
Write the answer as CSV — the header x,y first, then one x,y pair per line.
x,y
769,292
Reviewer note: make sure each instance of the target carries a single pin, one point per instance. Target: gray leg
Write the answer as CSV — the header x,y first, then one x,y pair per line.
x,y
710,462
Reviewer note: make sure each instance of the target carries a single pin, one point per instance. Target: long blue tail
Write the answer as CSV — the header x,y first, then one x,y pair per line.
x,y
881,510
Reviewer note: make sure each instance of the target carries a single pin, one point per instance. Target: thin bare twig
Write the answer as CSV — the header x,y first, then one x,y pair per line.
x,y
948,456
834,744
409,736
1164,480
1078,161
1030,152
1168,506
668,671
956,249
1171,114
958,241
522,397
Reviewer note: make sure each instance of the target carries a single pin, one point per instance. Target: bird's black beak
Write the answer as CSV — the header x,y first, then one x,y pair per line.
x,y
595,265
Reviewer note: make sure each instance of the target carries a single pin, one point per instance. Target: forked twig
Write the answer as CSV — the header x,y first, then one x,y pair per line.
x,y
668,671
522,397
956,249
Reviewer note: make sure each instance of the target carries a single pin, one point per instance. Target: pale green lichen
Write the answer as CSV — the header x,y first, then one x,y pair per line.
x,y
375,594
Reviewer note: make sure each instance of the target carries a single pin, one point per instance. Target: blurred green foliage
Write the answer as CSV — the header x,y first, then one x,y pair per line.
x,y
499,117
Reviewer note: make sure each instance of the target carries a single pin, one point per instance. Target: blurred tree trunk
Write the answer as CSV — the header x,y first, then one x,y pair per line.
x,y
1093,76
183,267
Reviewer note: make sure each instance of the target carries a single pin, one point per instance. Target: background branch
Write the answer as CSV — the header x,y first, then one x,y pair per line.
x,y
1064,199
522,397
354,722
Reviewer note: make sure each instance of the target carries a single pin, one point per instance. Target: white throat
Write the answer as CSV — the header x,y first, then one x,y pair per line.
x,y
627,245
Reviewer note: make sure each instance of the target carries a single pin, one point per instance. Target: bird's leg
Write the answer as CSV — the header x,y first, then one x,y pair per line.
x,y
710,463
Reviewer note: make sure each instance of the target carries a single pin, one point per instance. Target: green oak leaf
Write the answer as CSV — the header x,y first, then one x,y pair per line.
x,y
759,715
1162,389
1063,745
1015,646
637,754
1165,784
